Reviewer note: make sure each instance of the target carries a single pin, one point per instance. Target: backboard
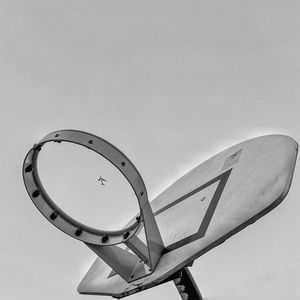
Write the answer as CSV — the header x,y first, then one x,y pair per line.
x,y
206,206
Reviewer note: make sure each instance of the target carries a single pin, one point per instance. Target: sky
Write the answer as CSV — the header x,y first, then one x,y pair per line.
x,y
170,83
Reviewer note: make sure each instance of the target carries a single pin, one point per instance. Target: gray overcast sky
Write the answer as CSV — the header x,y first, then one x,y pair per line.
x,y
168,82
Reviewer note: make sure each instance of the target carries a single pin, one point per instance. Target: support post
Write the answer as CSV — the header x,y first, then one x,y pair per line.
x,y
186,285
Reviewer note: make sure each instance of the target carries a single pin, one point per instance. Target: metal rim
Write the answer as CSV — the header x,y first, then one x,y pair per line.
x,y
57,216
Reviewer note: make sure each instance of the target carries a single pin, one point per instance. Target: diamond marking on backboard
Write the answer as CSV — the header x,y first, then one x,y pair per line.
x,y
209,212
186,216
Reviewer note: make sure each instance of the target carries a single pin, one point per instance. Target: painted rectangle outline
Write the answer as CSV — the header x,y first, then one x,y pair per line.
x,y
222,178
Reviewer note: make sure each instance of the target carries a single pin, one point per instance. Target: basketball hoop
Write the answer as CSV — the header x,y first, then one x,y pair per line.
x,y
146,256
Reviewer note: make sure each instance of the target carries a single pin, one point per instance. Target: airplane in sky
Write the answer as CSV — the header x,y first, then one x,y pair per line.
x,y
102,180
